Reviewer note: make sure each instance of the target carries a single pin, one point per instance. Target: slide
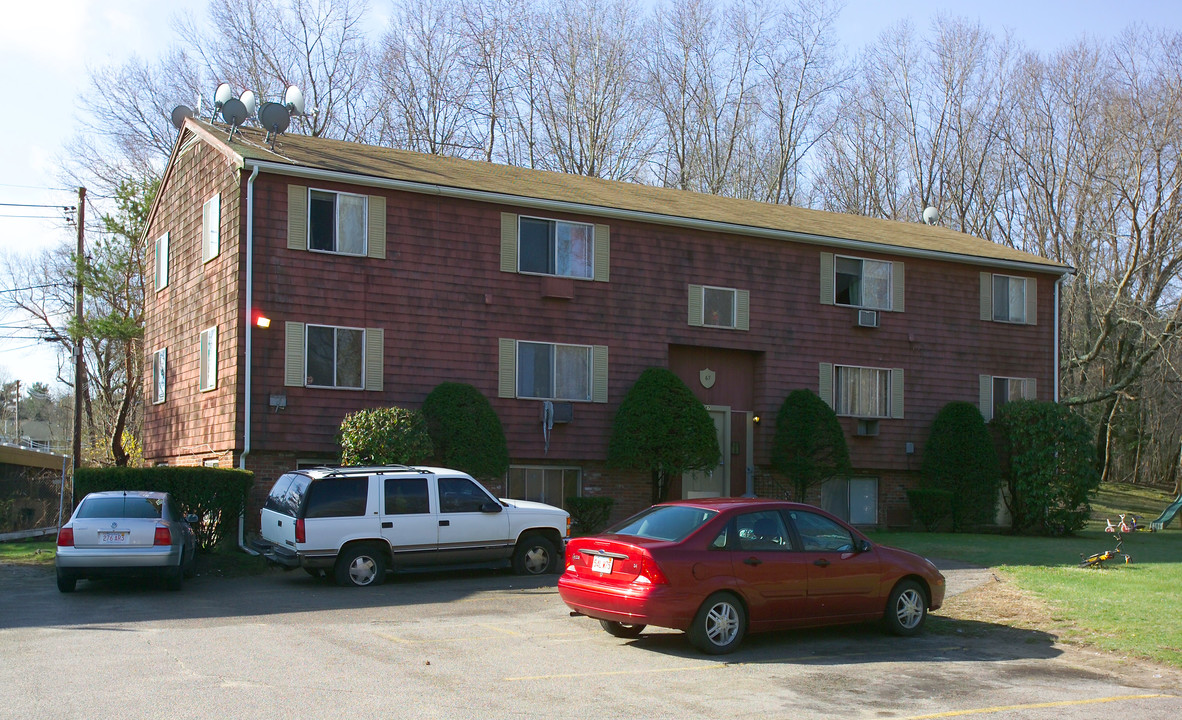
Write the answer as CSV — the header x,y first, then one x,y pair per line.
x,y
1168,515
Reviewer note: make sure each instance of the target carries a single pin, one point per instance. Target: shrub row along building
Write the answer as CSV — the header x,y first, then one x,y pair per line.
x,y
384,273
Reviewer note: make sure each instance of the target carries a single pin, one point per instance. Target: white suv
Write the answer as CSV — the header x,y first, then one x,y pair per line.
x,y
359,522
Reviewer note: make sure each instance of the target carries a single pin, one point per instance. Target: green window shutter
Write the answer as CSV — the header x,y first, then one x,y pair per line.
x,y
826,278
599,373
897,393
377,227
695,305
825,386
1031,301
986,297
1031,389
507,369
297,219
897,286
986,395
602,253
293,358
508,243
374,358
742,309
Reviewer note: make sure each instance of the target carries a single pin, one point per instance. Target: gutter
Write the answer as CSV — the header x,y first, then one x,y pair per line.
x,y
249,335
640,216
1058,286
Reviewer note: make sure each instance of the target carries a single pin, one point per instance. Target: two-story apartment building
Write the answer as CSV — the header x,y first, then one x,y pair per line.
x,y
383,273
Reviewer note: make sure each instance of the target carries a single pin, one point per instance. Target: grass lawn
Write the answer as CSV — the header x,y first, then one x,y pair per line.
x,y
1133,609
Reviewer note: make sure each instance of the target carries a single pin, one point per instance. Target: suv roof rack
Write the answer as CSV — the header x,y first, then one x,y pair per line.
x,y
371,469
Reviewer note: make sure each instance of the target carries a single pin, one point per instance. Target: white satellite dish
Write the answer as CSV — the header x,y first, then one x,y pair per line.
x,y
249,101
223,94
294,100
931,215
179,113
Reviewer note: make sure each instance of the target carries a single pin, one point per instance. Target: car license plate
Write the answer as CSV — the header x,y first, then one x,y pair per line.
x,y
112,538
601,564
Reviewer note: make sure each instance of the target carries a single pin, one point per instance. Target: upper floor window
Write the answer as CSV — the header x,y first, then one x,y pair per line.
x,y
1009,299
553,372
162,262
335,357
556,247
337,222
211,228
159,375
208,359
719,307
862,391
862,283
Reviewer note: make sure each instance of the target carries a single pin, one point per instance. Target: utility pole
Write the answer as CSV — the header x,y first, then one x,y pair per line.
x,y
79,366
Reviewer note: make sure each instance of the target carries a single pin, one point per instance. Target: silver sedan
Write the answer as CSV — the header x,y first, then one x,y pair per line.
x,y
125,532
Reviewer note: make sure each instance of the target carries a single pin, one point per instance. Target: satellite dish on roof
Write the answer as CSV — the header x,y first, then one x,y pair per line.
x,y
931,215
249,101
179,113
274,118
234,112
294,100
223,94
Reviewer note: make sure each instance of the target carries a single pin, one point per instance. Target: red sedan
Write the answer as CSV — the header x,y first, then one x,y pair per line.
x,y
719,568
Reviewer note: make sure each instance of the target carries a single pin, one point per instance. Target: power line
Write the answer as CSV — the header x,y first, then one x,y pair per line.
x,y
35,287
68,208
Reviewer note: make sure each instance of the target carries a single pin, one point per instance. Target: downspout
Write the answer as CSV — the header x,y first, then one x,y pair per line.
x,y
1058,285
249,334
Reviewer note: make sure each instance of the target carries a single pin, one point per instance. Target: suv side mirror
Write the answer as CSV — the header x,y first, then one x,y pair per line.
x,y
490,507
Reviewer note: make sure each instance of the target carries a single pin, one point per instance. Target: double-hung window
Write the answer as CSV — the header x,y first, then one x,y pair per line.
x,y
337,222
162,262
997,391
854,500
335,357
211,228
862,283
862,392
553,372
556,247
159,376
1009,299
208,359
719,307
552,485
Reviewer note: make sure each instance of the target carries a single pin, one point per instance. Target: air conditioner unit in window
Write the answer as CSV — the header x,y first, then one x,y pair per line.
x,y
867,428
564,412
868,318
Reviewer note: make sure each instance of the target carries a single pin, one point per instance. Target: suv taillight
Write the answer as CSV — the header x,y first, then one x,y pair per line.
x,y
163,536
300,535
65,537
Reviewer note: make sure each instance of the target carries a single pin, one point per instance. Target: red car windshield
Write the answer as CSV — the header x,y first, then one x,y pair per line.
x,y
664,522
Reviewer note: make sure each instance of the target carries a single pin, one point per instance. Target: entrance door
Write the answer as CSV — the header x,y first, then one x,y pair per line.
x,y
716,481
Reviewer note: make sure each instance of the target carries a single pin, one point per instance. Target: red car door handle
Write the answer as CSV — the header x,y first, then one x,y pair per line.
x,y
753,561
822,563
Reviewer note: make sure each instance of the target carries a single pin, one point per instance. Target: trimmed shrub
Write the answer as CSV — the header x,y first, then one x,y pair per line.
x,y
216,496
588,515
1048,465
930,506
465,431
809,446
960,457
661,427
385,436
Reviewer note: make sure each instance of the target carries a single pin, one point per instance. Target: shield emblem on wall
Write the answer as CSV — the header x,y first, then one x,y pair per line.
x,y
707,376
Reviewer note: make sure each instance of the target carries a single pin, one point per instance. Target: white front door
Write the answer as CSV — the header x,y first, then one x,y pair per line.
x,y
716,481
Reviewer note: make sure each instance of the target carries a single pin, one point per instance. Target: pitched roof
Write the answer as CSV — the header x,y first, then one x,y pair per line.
x,y
653,204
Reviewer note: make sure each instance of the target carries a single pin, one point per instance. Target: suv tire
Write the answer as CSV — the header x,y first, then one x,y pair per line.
x,y
361,566
535,555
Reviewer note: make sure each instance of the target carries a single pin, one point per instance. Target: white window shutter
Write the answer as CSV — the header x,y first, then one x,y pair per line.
x,y
297,221
826,278
293,359
376,232
897,278
599,373
897,393
825,385
508,242
375,363
1031,301
695,305
507,368
986,395
986,297
602,253
742,309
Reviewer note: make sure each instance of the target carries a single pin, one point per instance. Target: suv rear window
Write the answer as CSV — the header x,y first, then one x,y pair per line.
x,y
287,494
337,497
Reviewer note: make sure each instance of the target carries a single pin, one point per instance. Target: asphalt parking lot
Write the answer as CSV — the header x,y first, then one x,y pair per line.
x,y
493,645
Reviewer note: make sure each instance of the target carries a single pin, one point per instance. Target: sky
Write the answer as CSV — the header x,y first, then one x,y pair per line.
x,y
47,48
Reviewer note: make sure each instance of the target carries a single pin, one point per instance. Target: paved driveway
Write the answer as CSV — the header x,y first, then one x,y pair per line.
x,y
492,645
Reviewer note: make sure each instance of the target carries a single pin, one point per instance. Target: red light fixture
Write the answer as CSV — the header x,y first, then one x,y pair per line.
x,y
163,536
65,537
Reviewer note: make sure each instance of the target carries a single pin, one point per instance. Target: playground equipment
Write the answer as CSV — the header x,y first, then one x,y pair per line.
x,y
1167,516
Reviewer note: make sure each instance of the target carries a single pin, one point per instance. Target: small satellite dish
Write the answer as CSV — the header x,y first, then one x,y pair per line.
x,y
931,215
249,101
234,112
273,117
179,113
223,94
294,100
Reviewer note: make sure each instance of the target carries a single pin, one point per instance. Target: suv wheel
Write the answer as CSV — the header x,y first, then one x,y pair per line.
x,y
535,555
361,566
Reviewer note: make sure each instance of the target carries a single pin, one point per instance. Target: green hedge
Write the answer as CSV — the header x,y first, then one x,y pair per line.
x,y
215,495
588,515
930,506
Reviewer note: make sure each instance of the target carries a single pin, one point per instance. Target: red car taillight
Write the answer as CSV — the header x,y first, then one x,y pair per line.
x,y
300,535
163,536
65,537
649,572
